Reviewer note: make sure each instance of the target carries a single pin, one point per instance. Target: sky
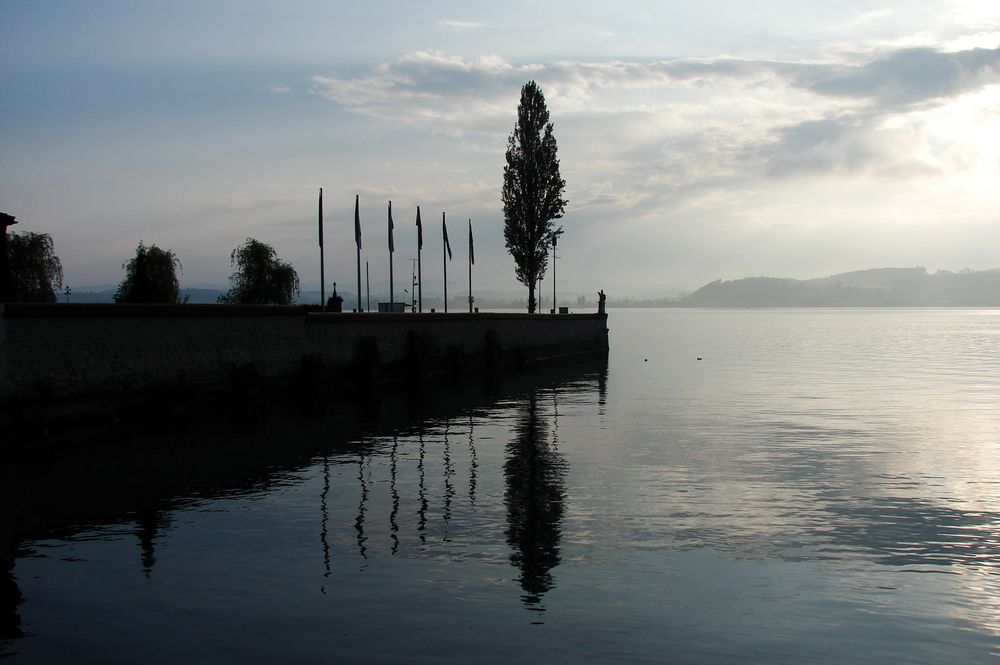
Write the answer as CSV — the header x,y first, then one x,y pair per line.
x,y
698,141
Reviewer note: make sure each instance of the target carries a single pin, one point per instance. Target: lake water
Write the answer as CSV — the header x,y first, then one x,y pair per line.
x,y
770,486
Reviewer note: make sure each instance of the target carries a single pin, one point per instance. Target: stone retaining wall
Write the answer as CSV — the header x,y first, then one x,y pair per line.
x,y
65,351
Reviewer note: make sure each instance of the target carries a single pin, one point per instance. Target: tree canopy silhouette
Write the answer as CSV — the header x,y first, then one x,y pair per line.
x,y
35,270
150,277
532,190
260,277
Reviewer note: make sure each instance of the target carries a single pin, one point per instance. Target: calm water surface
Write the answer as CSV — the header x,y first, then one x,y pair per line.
x,y
779,486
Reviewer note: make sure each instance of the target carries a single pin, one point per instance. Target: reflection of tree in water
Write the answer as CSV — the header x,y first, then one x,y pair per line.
x,y
535,497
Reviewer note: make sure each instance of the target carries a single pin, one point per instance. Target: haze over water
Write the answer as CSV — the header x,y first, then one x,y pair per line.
x,y
780,486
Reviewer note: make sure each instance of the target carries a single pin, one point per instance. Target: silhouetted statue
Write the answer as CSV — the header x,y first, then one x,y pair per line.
x,y
601,300
335,303
535,495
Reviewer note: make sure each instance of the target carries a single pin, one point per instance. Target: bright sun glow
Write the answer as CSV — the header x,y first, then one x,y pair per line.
x,y
965,138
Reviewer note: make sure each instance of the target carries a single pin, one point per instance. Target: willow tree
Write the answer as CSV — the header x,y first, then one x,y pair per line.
x,y
35,270
260,277
532,190
150,277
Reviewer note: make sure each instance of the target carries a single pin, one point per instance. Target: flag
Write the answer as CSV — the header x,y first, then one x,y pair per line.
x,y
420,231
444,229
320,216
392,247
472,254
357,223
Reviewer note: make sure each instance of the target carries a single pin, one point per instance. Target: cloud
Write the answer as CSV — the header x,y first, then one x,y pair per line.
x,y
908,77
437,87
880,132
653,134
851,144
280,90
458,26
863,20
457,94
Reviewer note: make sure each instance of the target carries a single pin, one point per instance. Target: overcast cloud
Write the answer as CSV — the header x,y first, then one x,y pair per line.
x,y
794,139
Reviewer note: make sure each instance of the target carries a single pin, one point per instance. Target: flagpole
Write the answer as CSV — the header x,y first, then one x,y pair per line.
x,y
368,285
357,242
322,273
391,248
420,277
444,259
471,261
413,286
554,308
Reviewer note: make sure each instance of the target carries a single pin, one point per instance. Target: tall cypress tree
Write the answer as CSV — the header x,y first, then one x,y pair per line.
x,y
532,190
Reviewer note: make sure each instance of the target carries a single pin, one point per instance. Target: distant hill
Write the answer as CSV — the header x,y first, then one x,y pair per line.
x,y
106,295
878,287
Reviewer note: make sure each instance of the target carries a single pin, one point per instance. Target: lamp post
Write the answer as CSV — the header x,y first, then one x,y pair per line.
x,y
554,307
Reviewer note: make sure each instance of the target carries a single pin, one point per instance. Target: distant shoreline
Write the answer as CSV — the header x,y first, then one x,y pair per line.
x,y
877,287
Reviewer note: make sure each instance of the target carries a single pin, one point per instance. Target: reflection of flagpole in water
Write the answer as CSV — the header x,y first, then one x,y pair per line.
x,y
473,466
449,471
422,492
555,421
323,520
393,525
359,523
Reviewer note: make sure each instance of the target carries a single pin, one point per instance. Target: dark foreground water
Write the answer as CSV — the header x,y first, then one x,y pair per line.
x,y
783,486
